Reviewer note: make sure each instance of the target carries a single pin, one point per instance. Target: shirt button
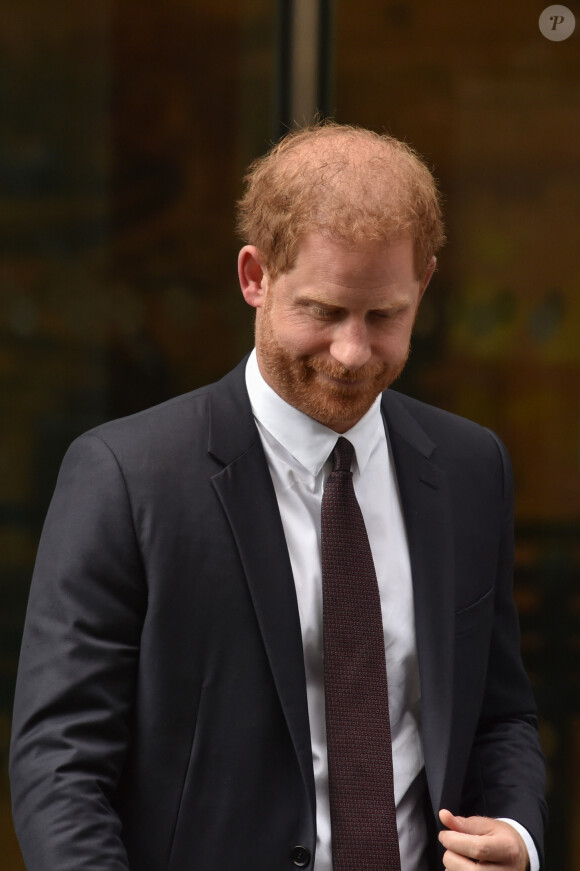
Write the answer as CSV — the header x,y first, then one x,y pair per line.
x,y
300,856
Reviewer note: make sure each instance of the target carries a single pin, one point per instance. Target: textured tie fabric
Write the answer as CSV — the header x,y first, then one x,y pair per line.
x,y
360,766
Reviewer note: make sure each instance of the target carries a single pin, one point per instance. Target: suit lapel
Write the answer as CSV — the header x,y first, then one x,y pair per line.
x,y
246,492
425,502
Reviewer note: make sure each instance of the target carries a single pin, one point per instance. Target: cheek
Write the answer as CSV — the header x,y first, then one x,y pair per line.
x,y
394,343
303,339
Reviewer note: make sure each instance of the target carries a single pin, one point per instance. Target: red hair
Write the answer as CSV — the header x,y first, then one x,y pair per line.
x,y
346,182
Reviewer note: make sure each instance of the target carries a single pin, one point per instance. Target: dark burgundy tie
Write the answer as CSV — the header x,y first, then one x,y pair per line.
x,y
360,766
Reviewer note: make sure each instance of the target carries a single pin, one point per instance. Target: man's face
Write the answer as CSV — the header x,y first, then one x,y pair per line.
x,y
334,331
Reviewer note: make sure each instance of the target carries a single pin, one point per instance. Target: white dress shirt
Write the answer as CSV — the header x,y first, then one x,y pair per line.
x,y
297,449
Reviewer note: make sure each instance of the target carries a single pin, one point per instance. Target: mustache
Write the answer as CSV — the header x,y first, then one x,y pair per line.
x,y
337,370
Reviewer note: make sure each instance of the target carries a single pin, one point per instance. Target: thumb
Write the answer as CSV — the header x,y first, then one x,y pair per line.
x,y
466,825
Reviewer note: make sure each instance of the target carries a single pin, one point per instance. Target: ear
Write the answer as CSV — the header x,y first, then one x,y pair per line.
x,y
252,276
427,276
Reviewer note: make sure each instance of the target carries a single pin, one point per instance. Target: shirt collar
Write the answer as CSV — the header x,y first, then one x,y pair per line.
x,y
307,440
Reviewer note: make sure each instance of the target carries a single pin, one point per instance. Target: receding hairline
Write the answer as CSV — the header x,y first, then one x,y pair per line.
x,y
348,183
328,139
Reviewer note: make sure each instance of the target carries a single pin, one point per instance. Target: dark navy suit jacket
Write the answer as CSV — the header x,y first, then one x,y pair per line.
x,y
161,722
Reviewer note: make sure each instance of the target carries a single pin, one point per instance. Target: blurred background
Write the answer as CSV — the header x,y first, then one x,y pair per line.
x,y
126,126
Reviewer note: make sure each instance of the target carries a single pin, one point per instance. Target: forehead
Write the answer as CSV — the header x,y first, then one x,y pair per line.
x,y
371,263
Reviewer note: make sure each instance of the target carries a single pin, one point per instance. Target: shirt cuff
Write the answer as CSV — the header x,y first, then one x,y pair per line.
x,y
530,846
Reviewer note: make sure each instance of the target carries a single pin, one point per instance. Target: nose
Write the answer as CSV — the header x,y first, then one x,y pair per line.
x,y
350,345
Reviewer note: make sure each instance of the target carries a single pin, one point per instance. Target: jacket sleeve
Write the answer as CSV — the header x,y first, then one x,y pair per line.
x,y
77,672
506,776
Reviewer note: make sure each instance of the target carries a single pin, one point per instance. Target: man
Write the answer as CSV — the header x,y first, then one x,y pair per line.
x,y
177,676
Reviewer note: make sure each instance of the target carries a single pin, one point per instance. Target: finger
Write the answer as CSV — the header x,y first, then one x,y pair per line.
x,y
464,845
468,847
453,862
465,837
494,842
446,818
467,825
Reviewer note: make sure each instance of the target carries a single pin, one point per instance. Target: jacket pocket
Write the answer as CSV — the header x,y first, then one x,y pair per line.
x,y
467,618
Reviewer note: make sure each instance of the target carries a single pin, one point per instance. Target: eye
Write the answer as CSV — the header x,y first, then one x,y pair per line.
x,y
386,315
381,316
324,314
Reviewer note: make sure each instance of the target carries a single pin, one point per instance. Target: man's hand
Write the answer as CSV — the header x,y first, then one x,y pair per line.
x,y
479,840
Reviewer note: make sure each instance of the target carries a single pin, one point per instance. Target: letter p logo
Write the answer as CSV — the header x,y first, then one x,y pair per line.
x,y
557,23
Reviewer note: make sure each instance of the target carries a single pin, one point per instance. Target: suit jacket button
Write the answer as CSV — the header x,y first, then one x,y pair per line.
x,y
300,856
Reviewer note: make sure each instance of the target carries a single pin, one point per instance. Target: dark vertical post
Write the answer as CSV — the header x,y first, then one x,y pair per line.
x,y
325,90
284,28
304,63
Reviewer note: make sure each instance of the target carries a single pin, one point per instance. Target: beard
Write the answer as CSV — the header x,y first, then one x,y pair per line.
x,y
325,390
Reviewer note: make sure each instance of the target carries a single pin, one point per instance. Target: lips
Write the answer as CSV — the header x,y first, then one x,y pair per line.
x,y
343,377
343,382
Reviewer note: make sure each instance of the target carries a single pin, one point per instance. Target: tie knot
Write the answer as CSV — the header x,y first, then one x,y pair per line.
x,y
342,455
